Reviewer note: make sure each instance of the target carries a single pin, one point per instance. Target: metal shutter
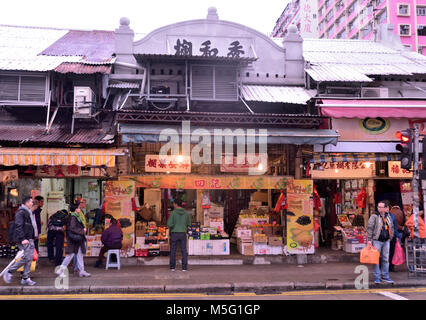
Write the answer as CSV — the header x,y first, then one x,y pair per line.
x,y
226,84
33,89
9,87
202,83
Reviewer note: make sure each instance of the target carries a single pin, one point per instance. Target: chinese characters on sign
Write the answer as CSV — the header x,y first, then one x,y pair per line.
x,y
395,170
70,171
167,164
307,18
185,48
344,170
6,176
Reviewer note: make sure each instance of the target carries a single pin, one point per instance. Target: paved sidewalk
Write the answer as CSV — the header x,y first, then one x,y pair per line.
x,y
212,279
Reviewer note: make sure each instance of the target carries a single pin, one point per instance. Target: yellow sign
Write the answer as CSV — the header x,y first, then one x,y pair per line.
x,y
166,163
118,203
344,170
395,170
300,220
209,182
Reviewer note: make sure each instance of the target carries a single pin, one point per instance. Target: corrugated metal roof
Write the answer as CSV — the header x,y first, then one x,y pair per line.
x,y
93,45
354,60
124,85
35,133
20,46
328,72
24,48
277,94
82,68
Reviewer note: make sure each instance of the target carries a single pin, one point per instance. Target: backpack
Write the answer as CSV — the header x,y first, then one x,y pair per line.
x,y
59,219
11,234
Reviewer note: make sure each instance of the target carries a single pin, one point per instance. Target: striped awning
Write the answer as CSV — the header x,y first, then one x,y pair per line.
x,y
353,157
59,156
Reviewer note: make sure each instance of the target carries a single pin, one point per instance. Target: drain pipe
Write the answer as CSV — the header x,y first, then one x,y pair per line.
x,y
137,67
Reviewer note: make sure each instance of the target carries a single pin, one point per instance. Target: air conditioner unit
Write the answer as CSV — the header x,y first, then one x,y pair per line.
x,y
375,92
84,100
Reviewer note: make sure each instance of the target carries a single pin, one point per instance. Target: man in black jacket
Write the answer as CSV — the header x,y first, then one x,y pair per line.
x,y
25,225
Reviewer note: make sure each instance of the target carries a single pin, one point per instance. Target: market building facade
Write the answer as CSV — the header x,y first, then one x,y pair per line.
x,y
221,92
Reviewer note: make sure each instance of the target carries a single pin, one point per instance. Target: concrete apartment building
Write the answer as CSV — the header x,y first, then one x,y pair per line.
x,y
356,19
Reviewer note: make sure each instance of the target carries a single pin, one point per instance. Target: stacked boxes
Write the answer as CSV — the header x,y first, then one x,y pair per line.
x,y
194,231
151,240
94,245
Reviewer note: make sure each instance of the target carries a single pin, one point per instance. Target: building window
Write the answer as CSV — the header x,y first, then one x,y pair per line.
x,y
330,31
421,30
214,83
420,50
23,88
352,8
339,5
421,11
403,9
327,3
329,16
367,30
383,17
404,30
407,46
379,2
341,35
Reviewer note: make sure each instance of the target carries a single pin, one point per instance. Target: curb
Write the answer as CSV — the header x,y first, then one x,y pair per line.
x,y
212,289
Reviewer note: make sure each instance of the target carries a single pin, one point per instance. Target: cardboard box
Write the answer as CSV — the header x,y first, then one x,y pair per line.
x,y
164,247
244,233
221,247
216,211
275,241
353,248
245,249
259,196
268,230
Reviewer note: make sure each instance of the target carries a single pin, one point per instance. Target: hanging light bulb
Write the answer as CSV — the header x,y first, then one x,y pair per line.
x,y
368,164
260,167
180,159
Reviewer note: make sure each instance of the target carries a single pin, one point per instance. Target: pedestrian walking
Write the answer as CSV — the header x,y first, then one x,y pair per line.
x,y
38,205
25,231
380,232
76,242
56,236
81,204
397,237
178,222
111,239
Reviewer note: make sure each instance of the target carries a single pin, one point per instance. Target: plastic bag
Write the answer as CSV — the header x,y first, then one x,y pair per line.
x,y
399,255
370,255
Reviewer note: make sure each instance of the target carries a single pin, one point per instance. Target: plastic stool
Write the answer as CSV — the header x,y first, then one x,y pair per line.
x,y
113,264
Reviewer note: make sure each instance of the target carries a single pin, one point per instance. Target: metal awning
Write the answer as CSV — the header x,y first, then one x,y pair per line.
x,y
363,108
353,157
59,156
151,133
277,94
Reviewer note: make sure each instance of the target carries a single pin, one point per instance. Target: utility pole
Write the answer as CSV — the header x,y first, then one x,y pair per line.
x,y
416,181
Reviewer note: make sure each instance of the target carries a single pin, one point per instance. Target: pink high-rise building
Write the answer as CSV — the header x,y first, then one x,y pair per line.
x,y
356,19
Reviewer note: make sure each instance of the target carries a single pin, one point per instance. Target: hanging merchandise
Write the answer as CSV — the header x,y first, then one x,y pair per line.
x,y
281,203
361,199
205,201
317,199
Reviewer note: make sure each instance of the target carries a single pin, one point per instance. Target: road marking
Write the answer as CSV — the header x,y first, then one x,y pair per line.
x,y
392,296
201,295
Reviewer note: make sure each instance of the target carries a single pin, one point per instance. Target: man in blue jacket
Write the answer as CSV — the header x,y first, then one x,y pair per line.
x,y
111,239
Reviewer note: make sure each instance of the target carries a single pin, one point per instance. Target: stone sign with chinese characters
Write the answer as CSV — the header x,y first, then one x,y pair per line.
x,y
73,172
342,170
395,170
209,46
167,164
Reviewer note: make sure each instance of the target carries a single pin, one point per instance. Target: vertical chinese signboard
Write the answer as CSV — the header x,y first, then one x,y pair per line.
x,y
118,203
300,220
407,196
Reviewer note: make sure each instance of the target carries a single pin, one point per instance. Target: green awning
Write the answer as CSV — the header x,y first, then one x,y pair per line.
x,y
138,133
